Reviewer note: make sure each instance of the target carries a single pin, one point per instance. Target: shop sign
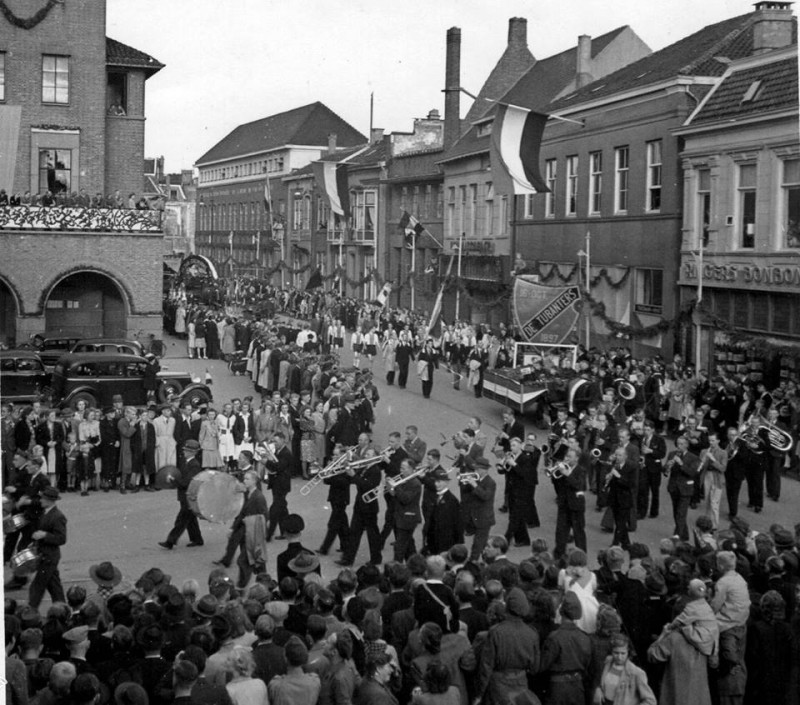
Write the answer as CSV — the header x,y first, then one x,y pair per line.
x,y
746,275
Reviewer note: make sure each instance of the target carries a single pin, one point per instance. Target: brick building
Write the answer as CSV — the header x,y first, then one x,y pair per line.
x,y
232,223
741,194
72,111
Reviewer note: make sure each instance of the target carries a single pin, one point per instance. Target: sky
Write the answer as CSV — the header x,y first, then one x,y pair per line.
x,y
233,61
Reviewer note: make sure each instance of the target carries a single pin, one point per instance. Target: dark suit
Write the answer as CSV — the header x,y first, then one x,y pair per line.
x,y
344,429
682,479
280,482
254,504
621,493
109,450
391,470
186,519
143,448
184,431
650,476
521,483
243,429
407,515
571,508
477,512
445,527
338,498
365,518
54,523
735,472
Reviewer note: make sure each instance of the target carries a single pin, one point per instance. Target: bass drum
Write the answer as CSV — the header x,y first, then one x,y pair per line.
x,y
167,477
215,496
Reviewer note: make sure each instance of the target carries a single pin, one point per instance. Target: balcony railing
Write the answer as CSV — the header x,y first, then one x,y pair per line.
x,y
121,220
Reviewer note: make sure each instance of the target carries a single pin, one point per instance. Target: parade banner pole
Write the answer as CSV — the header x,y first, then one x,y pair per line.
x,y
413,270
458,291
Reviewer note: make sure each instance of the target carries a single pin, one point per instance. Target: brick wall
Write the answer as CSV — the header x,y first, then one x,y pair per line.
x,y
124,154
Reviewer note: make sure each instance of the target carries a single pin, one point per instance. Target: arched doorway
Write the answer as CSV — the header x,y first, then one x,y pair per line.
x,y
8,315
85,305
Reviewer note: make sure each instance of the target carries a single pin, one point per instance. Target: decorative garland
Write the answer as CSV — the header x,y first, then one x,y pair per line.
x,y
555,271
755,343
28,22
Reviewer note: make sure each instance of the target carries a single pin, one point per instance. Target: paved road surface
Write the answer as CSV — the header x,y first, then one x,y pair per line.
x,y
126,529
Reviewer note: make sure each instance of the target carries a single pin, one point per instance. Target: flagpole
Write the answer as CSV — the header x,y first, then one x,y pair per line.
x,y
458,288
587,311
413,270
341,259
698,327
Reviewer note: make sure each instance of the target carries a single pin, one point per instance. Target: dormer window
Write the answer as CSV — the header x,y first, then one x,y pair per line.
x,y
485,128
752,92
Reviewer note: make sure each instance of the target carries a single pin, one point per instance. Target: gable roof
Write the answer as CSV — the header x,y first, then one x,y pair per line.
x,y
777,90
307,125
695,55
119,54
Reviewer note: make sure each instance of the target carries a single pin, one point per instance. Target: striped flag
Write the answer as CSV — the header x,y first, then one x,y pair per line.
x,y
332,180
437,307
267,197
517,135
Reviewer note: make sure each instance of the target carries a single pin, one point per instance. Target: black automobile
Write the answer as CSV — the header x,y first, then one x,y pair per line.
x,y
108,345
50,349
96,377
23,377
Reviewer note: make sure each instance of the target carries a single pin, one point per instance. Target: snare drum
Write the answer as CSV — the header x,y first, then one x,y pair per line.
x,y
14,523
25,561
215,496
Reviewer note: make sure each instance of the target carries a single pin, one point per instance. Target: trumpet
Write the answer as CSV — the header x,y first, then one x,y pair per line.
x,y
596,453
466,477
391,484
558,470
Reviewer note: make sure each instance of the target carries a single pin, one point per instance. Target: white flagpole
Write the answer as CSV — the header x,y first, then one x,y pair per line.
x,y
697,326
588,288
458,289
413,270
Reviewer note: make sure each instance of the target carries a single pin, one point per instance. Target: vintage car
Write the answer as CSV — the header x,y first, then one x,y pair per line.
x,y
97,377
108,345
23,377
50,349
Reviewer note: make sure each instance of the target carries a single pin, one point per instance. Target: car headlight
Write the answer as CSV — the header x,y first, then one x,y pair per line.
x,y
196,380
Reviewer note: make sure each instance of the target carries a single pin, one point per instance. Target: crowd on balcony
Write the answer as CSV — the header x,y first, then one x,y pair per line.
x,y
81,199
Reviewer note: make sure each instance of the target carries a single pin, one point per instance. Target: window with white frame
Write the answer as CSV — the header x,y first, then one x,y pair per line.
x,y
747,205
2,75
462,210
595,182
653,176
365,203
703,204
791,203
489,210
621,169
551,178
55,79
503,229
649,290
527,207
297,213
473,210
572,185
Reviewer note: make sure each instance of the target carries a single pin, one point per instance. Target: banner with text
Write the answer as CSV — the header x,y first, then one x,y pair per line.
x,y
545,314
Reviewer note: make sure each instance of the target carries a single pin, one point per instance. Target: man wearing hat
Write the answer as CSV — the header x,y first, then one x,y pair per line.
x,y
49,536
186,519
445,527
106,576
279,480
293,527
477,506
109,448
567,654
78,644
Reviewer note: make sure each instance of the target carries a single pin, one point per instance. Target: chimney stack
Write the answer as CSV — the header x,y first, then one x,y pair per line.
x,y
331,143
376,135
452,88
583,67
772,27
517,32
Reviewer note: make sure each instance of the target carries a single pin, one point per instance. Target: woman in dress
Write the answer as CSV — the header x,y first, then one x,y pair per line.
x,y
209,442
191,338
320,428
283,423
165,438
89,443
426,363
227,448
308,441
228,339
46,437
180,321
389,361
79,415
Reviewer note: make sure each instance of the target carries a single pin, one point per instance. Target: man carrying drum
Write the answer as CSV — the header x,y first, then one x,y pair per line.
x,y
50,535
186,519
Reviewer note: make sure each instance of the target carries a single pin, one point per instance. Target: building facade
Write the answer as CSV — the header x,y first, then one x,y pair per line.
x,y
72,111
234,228
740,252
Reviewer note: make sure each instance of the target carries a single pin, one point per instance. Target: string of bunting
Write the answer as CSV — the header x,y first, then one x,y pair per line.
x,y
555,271
27,22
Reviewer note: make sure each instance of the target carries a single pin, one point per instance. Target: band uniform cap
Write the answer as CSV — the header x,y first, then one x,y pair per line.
x,y
76,635
294,524
51,493
192,446
304,562
105,574
481,463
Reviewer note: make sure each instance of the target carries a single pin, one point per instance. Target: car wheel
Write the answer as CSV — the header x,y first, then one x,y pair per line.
x,y
91,402
169,389
196,397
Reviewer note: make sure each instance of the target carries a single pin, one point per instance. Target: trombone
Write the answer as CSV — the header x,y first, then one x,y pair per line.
x,y
335,467
390,485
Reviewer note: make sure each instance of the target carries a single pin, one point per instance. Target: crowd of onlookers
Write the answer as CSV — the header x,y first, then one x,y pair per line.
x,y
81,199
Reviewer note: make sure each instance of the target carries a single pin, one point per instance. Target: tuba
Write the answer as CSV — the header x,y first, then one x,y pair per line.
x,y
625,389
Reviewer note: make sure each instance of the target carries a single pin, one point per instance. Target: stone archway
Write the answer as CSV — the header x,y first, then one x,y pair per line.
x,y
86,305
9,310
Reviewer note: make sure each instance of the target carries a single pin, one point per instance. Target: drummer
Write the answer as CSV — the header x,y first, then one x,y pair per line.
x,y
186,519
50,535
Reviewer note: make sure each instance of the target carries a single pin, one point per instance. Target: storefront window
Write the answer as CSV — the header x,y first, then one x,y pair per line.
x,y
791,199
781,313
747,205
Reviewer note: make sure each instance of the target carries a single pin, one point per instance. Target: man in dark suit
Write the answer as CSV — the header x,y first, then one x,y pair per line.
x,y
477,506
143,450
683,469
512,428
187,429
345,429
444,527
109,448
653,452
429,493
407,513
469,450
254,507
279,472
293,528
50,535
735,471
395,455
621,482
433,600
519,470
365,518
186,519
243,431
338,499
570,490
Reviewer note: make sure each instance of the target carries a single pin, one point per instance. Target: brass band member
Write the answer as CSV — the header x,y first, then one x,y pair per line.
x,y
512,428
395,455
570,490
735,471
477,506
444,527
713,461
407,512
653,451
755,455
683,470
621,481
365,517
520,472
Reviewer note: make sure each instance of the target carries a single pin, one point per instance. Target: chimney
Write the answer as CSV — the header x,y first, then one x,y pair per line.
x,y
772,26
583,67
517,32
452,88
331,143
375,135
434,115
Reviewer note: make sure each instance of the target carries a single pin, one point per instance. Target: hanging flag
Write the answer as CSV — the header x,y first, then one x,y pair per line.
x,y
383,295
315,280
332,180
517,134
413,228
437,307
230,239
267,197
